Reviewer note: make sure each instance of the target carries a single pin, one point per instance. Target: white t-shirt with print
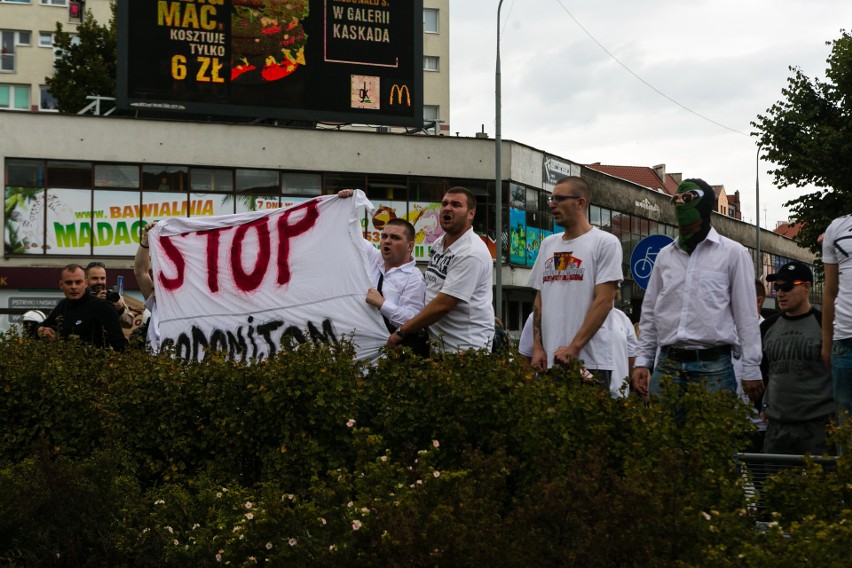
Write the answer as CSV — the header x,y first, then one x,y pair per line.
x,y
462,271
837,249
566,273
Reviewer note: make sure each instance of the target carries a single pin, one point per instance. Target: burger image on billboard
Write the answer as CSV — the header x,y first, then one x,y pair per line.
x,y
267,39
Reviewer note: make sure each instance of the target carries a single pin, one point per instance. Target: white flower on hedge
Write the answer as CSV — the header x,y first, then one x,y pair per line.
x,y
176,542
332,547
384,458
350,504
322,521
268,546
705,515
436,443
218,495
436,473
170,529
249,516
291,542
195,526
290,496
219,556
356,525
159,502
249,505
350,423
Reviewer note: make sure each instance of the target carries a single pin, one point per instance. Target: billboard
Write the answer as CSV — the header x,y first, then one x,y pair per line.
x,y
305,60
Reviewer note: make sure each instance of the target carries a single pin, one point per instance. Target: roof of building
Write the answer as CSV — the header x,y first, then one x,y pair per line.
x,y
785,229
642,175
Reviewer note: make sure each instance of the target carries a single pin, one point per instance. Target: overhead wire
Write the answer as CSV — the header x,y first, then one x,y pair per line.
x,y
646,83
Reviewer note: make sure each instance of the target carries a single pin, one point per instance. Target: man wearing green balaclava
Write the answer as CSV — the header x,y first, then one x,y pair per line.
x,y
698,305
694,202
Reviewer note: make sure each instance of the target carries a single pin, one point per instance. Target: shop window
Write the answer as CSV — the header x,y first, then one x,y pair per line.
x,y
24,173
69,174
257,181
164,178
123,176
301,184
208,180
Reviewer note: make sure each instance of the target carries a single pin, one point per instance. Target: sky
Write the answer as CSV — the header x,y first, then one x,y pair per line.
x,y
564,94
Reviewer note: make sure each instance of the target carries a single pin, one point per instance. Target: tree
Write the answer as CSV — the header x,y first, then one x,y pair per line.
x,y
86,64
808,134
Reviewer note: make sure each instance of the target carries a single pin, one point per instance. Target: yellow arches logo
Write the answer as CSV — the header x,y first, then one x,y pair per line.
x,y
399,91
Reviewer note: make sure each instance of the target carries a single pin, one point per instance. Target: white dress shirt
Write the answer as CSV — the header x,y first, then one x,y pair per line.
x,y
403,286
702,300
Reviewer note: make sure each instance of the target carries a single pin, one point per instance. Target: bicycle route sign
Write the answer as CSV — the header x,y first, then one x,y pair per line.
x,y
643,257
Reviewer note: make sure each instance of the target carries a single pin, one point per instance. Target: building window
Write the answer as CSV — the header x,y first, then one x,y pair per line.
x,y
125,176
9,40
15,97
46,100
45,39
207,180
430,63
164,178
431,113
257,181
15,1
430,20
54,2
301,184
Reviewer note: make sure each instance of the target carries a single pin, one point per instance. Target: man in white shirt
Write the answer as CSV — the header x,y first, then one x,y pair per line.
x,y
577,273
399,286
698,305
459,311
837,311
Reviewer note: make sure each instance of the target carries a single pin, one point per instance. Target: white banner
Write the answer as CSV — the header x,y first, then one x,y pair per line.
x,y
252,284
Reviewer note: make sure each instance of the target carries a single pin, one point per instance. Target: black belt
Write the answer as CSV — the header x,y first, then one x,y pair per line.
x,y
692,355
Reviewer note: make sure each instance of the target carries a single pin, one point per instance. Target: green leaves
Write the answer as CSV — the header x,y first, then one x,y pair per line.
x,y
808,135
313,460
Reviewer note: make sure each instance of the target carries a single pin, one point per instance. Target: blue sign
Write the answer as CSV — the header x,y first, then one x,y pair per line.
x,y
643,258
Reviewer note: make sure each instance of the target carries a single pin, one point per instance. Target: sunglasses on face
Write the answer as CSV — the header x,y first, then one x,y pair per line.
x,y
687,197
786,286
561,198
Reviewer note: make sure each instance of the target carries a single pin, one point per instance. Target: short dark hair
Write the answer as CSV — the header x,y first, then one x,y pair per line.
x,y
71,268
471,198
94,264
759,288
579,185
408,227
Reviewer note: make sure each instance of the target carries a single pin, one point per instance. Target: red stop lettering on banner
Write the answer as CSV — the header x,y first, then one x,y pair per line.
x,y
251,280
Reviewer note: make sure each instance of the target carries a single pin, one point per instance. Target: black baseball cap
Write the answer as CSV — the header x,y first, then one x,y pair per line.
x,y
791,272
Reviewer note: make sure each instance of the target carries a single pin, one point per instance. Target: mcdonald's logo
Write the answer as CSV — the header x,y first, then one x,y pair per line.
x,y
399,91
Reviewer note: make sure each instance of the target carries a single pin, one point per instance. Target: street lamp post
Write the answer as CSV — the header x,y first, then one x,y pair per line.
x,y
498,179
757,211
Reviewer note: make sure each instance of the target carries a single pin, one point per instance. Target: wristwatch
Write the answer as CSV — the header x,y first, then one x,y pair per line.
x,y
399,332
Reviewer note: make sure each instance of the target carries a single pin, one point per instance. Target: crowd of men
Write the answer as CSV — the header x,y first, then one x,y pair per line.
x,y
698,323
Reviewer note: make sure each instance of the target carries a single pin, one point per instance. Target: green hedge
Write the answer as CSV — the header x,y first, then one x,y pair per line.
x,y
312,460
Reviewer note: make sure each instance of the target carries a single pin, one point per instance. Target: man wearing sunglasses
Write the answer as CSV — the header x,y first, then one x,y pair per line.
x,y
699,303
798,400
576,274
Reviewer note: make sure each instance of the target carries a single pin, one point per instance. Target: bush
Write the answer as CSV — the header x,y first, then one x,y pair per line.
x,y
310,459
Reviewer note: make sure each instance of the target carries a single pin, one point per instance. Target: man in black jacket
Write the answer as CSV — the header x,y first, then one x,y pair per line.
x,y
91,319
